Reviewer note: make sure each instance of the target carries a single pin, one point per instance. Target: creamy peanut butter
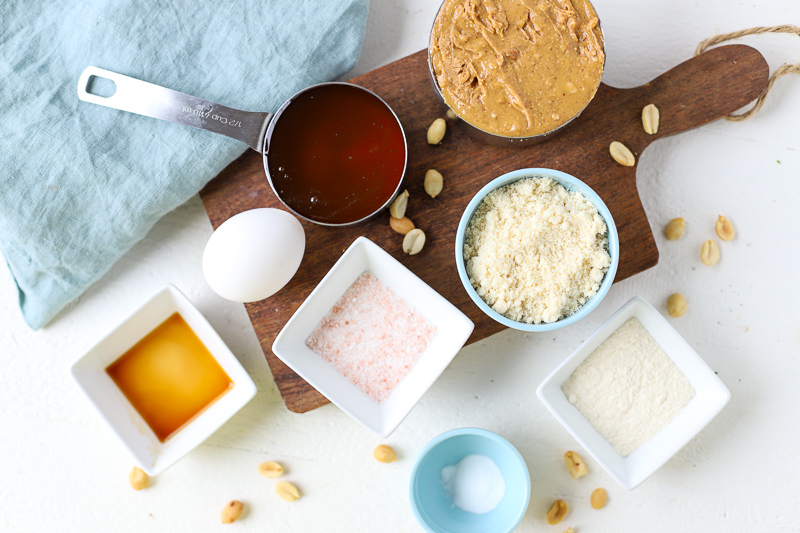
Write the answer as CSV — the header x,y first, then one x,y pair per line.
x,y
517,68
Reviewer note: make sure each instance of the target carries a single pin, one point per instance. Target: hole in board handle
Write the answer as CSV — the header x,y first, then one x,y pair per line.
x,y
102,87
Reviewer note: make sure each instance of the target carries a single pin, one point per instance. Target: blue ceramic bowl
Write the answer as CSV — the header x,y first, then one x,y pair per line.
x,y
571,183
432,507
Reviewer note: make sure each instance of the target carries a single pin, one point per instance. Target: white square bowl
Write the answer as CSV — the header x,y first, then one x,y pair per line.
x,y
152,455
710,397
453,330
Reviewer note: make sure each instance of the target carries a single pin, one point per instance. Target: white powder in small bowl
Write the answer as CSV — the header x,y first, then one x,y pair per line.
x,y
474,484
536,252
628,388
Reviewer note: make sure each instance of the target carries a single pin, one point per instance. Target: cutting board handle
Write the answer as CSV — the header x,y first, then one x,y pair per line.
x,y
700,90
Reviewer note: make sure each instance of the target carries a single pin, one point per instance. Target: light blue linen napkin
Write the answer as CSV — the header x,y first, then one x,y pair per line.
x,y
79,183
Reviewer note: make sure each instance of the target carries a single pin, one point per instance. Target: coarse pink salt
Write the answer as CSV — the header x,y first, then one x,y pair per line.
x,y
372,337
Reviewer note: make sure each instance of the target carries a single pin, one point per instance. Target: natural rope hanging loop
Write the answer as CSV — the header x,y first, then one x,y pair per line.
x,y
781,71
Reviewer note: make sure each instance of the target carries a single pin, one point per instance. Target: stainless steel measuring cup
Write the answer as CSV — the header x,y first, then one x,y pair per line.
x,y
481,134
255,129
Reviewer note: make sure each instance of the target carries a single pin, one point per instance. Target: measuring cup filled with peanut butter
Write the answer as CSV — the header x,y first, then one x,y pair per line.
x,y
334,154
516,72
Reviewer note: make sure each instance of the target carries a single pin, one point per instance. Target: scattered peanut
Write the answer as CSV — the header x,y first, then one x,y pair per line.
x,y
232,512
414,241
436,131
398,207
451,114
385,454
287,491
401,225
674,229
622,154
650,118
270,469
434,182
569,530
575,465
599,498
676,305
724,229
138,478
557,512
709,253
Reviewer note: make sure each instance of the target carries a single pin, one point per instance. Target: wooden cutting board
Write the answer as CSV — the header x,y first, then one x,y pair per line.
x,y
694,93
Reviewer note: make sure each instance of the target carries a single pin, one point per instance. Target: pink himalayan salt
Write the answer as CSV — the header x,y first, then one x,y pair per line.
x,y
372,337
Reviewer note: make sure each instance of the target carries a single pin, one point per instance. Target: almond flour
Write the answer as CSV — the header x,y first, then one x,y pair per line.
x,y
536,252
628,388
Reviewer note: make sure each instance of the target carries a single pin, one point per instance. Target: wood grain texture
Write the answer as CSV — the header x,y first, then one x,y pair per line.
x,y
694,93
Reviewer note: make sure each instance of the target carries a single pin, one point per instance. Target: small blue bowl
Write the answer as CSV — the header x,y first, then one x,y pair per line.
x,y
570,183
432,507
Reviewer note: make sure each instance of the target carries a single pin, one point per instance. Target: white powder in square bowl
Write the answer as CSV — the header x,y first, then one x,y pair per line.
x,y
628,388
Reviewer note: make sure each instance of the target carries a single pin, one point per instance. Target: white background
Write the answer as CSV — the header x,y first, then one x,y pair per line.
x,y
63,470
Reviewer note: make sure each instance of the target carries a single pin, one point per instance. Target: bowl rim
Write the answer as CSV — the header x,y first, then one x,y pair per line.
x,y
571,183
473,431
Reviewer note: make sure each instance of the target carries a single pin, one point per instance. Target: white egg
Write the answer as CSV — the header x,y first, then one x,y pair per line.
x,y
254,254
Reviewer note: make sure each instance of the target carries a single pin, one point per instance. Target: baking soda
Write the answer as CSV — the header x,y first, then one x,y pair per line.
x,y
372,337
474,484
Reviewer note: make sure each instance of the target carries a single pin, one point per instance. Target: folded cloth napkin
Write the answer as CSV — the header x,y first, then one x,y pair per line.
x,y
79,183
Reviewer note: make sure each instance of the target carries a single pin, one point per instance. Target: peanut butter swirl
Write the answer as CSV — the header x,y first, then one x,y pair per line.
x,y
517,68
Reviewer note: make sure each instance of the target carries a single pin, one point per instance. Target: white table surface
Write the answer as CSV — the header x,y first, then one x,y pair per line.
x,y
63,470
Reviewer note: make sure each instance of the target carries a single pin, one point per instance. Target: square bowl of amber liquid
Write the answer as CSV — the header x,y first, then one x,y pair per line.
x,y
163,380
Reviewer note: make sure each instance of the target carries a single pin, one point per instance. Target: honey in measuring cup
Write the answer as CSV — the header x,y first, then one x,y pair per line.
x,y
337,154
169,377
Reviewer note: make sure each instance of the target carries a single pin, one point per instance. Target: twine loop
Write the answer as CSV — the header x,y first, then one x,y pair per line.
x,y
779,72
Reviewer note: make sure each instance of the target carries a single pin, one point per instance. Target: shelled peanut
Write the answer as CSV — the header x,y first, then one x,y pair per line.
x,y
434,182
288,491
674,229
676,305
724,229
138,479
270,469
557,512
436,131
385,453
232,512
575,465
598,498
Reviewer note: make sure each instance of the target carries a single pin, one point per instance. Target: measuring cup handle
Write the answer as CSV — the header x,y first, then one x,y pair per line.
x,y
136,96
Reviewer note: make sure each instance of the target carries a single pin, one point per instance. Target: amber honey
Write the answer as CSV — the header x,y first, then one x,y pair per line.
x,y
336,154
169,377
